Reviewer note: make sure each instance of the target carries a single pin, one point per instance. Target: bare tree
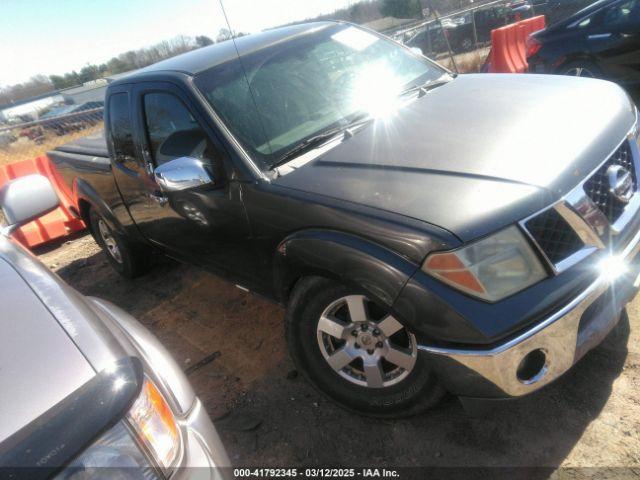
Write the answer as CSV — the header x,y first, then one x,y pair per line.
x,y
36,85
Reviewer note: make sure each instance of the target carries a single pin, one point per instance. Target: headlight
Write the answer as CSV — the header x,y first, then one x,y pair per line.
x,y
491,269
150,424
114,455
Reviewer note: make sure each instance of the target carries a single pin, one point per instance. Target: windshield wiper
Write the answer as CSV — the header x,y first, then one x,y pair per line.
x,y
425,87
322,138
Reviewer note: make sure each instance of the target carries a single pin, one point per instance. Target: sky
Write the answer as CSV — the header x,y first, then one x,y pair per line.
x,y
54,37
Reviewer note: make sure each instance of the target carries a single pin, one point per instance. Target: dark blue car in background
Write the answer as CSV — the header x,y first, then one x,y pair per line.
x,y
602,41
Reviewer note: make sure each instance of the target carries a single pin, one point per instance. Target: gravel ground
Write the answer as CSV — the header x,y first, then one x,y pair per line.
x,y
269,416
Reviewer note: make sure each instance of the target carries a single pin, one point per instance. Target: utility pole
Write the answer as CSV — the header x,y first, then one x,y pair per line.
x,y
446,39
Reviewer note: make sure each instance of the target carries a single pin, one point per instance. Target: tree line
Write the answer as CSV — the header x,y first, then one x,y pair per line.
x,y
127,61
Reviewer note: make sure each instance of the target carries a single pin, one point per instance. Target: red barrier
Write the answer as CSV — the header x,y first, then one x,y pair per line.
x,y
509,45
53,225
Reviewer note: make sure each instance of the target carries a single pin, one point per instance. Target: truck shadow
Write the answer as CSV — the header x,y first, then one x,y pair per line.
x,y
270,416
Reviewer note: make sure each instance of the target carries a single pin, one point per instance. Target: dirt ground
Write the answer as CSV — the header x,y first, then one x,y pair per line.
x,y
269,416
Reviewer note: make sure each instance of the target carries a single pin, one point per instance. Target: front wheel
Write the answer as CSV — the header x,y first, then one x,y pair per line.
x,y
356,352
581,68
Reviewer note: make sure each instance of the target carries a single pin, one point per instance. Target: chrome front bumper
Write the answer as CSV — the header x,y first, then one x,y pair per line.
x,y
562,338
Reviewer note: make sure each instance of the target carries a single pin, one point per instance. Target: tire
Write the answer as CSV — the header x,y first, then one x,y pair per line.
x,y
127,258
369,384
581,68
467,44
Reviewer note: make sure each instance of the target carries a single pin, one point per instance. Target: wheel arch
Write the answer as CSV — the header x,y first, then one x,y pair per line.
x,y
86,198
343,257
575,57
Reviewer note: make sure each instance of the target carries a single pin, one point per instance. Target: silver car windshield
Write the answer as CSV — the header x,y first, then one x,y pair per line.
x,y
296,89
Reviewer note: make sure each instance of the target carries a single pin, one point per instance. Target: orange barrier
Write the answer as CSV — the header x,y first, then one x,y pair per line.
x,y
509,45
53,225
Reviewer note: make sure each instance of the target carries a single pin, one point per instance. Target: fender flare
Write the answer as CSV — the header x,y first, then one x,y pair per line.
x,y
83,192
349,259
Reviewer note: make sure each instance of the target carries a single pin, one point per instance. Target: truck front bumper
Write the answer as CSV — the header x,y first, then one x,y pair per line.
x,y
544,352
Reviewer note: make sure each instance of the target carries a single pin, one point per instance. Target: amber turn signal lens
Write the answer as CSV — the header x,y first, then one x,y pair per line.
x,y
153,421
449,267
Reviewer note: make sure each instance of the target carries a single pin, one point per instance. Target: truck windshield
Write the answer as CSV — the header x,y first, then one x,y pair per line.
x,y
276,97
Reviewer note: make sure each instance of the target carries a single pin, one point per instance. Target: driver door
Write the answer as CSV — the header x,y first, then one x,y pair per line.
x,y
204,224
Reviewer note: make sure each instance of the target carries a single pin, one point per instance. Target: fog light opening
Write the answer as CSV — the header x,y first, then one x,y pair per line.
x,y
532,367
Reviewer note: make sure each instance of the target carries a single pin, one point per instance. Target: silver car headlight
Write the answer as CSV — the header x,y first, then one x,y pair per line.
x,y
149,427
491,269
115,454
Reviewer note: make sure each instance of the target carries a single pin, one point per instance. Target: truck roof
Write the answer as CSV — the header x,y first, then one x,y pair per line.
x,y
204,58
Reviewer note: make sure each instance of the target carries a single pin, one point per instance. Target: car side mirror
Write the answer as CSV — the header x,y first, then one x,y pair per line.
x,y
181,174
27,198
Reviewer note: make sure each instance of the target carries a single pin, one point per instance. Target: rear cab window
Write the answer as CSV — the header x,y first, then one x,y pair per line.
x,y
120,127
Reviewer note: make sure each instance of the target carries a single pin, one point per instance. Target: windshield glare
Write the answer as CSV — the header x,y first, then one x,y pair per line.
x,y
296,89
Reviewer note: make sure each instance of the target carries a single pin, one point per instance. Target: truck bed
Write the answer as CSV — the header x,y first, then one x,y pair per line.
x,y
85,159
94,144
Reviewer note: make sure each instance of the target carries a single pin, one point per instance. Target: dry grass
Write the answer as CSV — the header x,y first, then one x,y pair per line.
x,y
467,62
25,149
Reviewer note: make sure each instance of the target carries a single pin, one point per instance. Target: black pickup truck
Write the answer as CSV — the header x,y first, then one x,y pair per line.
x,y
426,231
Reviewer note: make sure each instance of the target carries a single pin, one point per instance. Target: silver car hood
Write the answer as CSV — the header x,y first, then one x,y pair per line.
x,y
39,363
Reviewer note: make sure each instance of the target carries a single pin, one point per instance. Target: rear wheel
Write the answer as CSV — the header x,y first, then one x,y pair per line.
x,y
128,258
356,352
581,68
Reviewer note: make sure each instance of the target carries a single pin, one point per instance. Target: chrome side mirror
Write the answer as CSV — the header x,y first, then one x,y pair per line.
x,y
181,174
27,198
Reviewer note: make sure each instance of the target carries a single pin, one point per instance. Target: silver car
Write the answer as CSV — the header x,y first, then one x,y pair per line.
x,y
86,390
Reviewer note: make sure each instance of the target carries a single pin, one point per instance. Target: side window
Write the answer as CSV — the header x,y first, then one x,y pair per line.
x,y
120,126
172,131
624,14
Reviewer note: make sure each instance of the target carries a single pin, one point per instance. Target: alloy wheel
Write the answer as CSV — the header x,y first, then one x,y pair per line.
x,y
109,241
364,344
580,72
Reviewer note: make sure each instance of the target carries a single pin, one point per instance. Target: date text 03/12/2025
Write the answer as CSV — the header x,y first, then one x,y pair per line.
x,y
315,473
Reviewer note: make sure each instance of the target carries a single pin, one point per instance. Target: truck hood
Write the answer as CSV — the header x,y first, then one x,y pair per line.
x,y
39,363
476,154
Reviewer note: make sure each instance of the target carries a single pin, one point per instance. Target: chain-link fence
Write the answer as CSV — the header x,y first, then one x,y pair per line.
x,y
25,140
467,33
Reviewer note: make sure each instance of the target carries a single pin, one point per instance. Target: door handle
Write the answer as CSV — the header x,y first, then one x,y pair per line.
x,y
159,199
599,36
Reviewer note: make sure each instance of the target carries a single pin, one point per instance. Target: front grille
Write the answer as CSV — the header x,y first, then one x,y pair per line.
x,y
597,187
554,235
